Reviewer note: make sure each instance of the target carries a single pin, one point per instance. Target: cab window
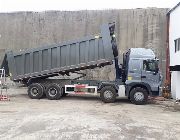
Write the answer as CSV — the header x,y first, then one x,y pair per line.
x,y
149,65
134,65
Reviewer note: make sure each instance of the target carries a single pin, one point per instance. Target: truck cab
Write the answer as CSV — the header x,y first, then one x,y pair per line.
x,y
141,73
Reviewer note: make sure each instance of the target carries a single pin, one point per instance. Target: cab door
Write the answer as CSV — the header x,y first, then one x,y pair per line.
x,y
134,71
150,74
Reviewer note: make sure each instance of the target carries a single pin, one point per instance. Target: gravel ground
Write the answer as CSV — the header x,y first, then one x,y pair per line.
x,y
79,118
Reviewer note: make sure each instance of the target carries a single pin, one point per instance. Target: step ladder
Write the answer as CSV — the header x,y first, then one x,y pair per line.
x,y
3,86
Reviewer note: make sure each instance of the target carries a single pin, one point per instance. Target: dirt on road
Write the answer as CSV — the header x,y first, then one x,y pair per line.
x,y
81,118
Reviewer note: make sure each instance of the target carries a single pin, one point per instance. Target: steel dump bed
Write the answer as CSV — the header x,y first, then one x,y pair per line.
x,y
86,53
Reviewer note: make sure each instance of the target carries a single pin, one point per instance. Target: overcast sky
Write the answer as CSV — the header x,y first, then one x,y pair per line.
x,y
42,5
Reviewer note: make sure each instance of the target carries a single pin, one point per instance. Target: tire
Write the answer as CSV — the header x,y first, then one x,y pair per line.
x,y
108,94
63,92
53,92
139,96
35,91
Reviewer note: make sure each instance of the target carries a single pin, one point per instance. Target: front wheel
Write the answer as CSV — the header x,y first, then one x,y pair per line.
x,y
139,96
108,94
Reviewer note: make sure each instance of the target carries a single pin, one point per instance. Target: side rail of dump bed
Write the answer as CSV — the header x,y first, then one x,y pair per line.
x,y
71,56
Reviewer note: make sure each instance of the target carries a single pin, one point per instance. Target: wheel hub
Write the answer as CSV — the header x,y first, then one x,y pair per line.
x,y
108,94
52,91
138,96
34,91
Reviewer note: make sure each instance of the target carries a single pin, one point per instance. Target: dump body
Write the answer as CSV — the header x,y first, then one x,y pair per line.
x,y
71,56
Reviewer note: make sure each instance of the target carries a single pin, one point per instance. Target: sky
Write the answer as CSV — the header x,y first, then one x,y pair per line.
x,y
71,5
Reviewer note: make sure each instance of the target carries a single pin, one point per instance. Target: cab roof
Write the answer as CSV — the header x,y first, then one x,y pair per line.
x,y
142,53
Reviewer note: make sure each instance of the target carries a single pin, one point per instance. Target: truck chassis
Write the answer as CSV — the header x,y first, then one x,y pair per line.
x,y
108,91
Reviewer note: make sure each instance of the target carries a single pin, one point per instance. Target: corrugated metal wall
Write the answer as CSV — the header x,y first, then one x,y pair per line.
x,y
134,28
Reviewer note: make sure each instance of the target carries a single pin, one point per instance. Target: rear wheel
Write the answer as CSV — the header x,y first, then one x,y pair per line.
x,y
108,94
35,91
139,96
53,92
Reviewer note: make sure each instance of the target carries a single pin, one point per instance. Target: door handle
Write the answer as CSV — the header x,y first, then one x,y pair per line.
x,y
143,76
131,71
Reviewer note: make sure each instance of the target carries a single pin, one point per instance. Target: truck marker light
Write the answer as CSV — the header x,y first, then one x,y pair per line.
x,y
114,35
129,77
97,36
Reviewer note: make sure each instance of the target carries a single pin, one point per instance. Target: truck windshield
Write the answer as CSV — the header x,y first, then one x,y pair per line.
x,y
150,65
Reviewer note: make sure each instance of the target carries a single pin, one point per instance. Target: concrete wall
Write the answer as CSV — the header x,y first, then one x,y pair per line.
x,y
134,28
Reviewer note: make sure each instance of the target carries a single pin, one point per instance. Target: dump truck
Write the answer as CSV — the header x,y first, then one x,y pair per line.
x,y
136,78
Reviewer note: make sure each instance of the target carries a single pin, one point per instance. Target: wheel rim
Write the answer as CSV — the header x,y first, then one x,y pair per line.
x,y
108,94
34,91
139,96
52,92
